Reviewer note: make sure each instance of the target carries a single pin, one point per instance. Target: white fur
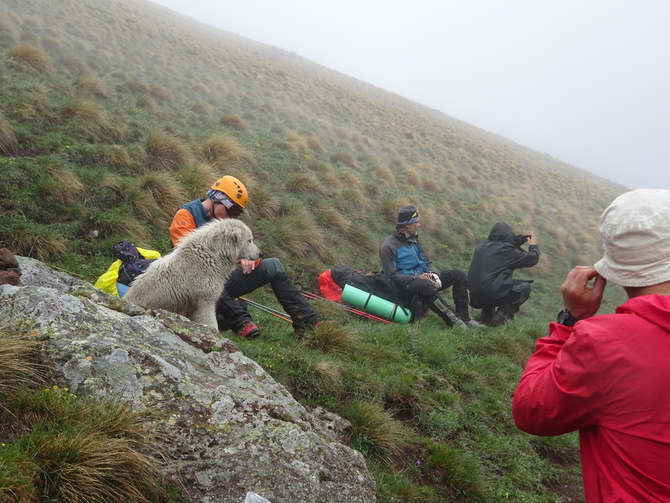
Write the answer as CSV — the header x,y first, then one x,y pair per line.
x,y
190,279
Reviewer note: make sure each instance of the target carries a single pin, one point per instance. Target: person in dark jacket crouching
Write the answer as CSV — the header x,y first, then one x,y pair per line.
x,y
492,287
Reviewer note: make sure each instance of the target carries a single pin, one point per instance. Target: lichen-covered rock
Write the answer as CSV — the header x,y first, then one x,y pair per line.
x,y
232,428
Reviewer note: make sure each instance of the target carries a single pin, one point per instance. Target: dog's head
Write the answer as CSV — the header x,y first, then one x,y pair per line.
x,y
228,239
248,248
236,235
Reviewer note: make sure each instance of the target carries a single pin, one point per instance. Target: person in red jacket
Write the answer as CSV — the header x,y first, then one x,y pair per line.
x,y
608,376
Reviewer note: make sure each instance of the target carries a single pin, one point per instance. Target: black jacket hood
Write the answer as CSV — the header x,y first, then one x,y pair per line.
x,y
502,232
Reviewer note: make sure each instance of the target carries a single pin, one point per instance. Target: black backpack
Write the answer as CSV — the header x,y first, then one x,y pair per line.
x,y
375,283
133,264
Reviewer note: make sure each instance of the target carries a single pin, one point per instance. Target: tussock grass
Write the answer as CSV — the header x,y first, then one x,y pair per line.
x,y
300,237
30,57
374,432
18,360
136,86
196,179
432,185
351,180
455,471
332,219
202,109
113,225
74,66
61,447
64,176
331,337
343,158
31,240
304,183
165,152
264,205
331,180
160,93
226,154
297,143
329,372
411,176
315,143
106,155
234,121
63,186
91,118
9,142
164,190
364,240
93,85
148,209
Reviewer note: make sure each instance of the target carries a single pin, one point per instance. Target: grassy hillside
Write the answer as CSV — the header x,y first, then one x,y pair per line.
x,y
113,114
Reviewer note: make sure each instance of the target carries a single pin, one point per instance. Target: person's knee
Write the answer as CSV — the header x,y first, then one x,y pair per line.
x,y
524,288
421,286
270,267
453,277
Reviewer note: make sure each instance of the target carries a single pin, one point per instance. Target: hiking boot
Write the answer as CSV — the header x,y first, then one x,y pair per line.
x,y
498,319
248,330
487,314
417,308
474,324
444,311
458,323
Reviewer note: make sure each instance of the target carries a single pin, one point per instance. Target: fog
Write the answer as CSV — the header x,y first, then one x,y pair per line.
x,y
587,82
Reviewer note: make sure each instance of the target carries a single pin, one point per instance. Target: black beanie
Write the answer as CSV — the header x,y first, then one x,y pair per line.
x,y
408,215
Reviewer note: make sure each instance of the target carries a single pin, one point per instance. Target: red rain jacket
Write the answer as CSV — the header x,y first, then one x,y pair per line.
x,y
609,378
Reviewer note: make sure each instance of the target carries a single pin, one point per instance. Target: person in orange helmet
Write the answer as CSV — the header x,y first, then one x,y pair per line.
x,y
227,198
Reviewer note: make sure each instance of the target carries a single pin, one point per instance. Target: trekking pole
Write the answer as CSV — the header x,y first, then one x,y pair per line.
x,y
358,312
267,309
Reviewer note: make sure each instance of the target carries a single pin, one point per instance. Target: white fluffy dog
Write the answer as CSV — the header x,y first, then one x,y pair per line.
x,y
189,280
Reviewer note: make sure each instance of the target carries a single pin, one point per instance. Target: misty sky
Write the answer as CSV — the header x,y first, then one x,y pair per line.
x,y
586,81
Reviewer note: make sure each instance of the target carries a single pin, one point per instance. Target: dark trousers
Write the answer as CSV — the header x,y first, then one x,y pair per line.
x,y
454,278
232,314
510,304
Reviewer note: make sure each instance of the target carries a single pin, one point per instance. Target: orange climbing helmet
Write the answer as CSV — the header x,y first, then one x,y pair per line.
x,y
233,188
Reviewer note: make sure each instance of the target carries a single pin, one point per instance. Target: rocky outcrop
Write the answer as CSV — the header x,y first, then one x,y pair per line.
x,y
231,427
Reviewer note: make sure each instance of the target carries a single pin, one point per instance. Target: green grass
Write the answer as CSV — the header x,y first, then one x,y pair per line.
x,y
430,407
106,127
57,446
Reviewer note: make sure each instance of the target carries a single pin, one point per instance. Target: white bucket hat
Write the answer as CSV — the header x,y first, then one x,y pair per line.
x,y
635,230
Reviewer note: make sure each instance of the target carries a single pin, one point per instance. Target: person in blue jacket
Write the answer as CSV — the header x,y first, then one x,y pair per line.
x,y
408,265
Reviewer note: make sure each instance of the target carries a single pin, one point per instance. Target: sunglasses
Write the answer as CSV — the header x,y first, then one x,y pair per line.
x,y
233,210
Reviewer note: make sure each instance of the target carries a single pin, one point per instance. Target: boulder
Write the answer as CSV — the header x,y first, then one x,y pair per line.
x,y
231,427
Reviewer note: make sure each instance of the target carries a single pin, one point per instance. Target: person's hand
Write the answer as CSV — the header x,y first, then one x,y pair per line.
x,y
532,240
248,265
582,300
